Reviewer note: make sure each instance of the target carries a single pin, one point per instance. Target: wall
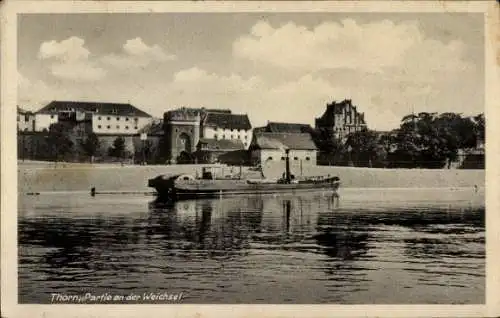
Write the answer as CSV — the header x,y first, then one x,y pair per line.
x,y
43,121
118,124
279,155
212,132
25,122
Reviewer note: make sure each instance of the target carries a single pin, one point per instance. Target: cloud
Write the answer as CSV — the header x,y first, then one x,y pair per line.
x,y
135,53
67,50
70,60
371,47
196,80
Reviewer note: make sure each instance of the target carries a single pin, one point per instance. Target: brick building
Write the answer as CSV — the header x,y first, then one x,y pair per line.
x,y
186,127
342,118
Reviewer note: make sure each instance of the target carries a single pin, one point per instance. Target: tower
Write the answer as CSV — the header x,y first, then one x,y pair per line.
x,y
182,133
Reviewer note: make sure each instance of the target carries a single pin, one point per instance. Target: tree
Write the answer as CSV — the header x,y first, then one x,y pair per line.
x,y
479,127
91,146
59,140
364,147
329,147
118,148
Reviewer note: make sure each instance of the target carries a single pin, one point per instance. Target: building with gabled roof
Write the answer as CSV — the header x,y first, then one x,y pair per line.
x,y
342,118
104,118
268,146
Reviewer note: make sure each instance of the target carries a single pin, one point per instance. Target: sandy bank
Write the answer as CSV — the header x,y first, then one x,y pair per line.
x,y
37,177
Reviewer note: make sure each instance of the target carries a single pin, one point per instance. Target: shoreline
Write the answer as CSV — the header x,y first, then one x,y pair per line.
x,y
43,177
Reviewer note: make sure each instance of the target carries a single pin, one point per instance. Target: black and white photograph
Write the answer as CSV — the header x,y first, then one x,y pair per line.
x,y
224,157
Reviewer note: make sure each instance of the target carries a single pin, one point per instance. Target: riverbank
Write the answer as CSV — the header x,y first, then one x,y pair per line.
x,y
46,176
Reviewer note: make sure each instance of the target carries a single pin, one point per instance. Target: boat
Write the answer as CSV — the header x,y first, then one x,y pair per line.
x,y
185,186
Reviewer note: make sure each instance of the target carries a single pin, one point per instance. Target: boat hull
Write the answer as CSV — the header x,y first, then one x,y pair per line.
x,y
175,189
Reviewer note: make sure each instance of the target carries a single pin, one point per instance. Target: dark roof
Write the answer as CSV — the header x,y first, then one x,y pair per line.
x,y
276,127
227,121
297,141
95,107
222,144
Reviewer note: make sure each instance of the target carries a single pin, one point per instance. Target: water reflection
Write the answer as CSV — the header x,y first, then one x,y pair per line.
x,y
332,244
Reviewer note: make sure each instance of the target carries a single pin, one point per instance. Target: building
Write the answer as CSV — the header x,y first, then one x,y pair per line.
x,y
105,118
228,151
269,147
342,118
291,128
149,144
25,120
226,125
185,127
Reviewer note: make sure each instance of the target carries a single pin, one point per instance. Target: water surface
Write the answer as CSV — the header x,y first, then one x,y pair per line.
x,y
372,246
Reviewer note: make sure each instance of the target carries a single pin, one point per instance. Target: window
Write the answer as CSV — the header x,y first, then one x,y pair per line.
x,y
17,117
136,119
126,127
126,119
269,158
295,158
176,130
117,126
109,118
51,116
223,136
99,126
282,158
99,118
307,158
117,118
135,127
26,118
215,136
108,127
239,137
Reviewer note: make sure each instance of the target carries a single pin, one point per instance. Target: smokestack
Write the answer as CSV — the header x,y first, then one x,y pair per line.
x,y
287,165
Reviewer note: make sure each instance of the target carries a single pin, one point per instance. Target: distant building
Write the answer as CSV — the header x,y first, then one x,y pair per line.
x,y
221,150
104,118
277,127
267,146
185,127
342,118
25,120
151,148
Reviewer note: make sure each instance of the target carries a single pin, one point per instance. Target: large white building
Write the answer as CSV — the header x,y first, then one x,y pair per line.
x,y
220,125
105,118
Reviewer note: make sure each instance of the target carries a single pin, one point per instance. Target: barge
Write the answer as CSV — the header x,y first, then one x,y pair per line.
x,y
185,186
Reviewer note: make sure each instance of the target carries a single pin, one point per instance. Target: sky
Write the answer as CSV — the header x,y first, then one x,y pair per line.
x,y
273,66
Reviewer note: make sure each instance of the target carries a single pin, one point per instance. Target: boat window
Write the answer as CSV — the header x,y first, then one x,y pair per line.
x,y
186,178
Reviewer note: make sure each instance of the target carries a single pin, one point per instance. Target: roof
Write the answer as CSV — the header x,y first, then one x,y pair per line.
x,y
276,127
222,144
227,120
23,111
294,141
94,107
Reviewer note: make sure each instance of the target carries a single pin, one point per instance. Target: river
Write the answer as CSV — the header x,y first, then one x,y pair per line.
x,y
370,246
